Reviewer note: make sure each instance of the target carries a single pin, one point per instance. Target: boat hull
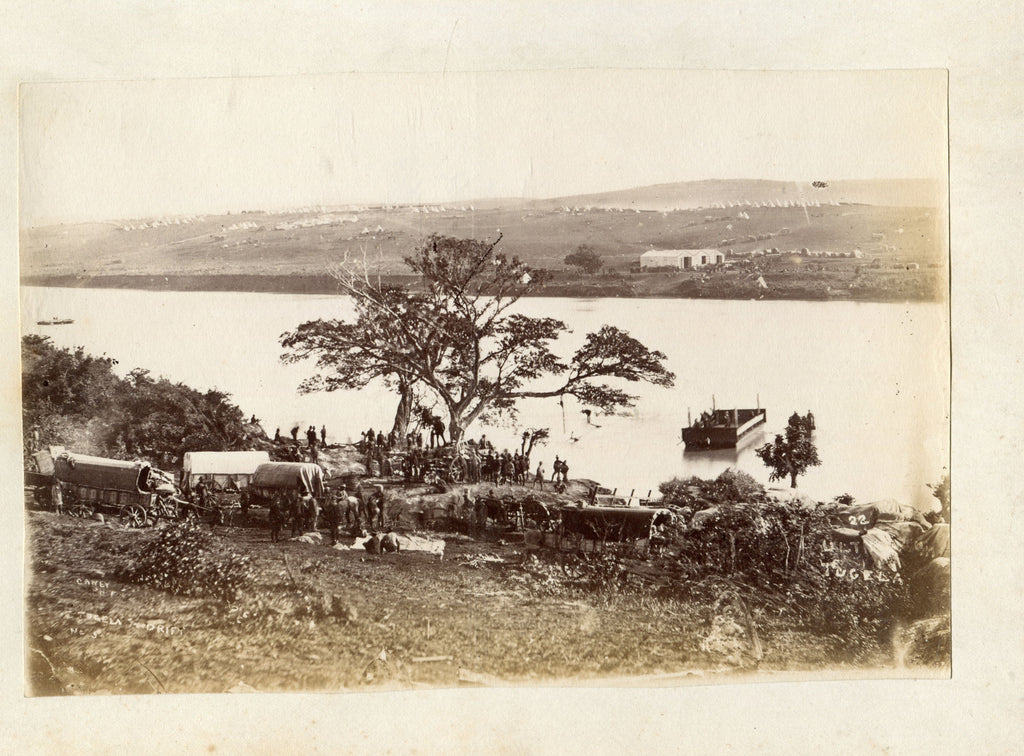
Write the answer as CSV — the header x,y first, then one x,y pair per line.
x,y
725,429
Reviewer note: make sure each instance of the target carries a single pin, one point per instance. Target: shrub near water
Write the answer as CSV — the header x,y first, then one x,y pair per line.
x,y
186,560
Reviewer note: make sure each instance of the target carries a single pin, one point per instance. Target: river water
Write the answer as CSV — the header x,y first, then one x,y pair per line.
x,y
875,375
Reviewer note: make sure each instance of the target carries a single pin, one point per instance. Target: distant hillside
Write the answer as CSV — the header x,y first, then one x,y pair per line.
x,y
899,223
715,193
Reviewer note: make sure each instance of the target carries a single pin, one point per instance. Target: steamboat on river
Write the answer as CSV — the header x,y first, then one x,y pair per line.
x,y
721,428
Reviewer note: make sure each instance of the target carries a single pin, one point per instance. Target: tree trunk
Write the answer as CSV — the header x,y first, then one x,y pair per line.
x,y
792,479
455,432
404,411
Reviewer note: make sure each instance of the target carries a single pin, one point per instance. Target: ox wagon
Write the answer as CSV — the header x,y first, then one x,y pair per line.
x,y
231,470
590,528
288,483
289,479
134,490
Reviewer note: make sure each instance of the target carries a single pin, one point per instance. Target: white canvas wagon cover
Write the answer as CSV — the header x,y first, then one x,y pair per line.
x,y
226,464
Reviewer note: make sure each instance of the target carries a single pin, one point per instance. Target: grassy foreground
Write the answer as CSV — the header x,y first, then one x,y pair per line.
x,y
312,618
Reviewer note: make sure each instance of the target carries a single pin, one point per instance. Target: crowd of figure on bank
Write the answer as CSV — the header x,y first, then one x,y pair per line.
x,y
414,457
475,461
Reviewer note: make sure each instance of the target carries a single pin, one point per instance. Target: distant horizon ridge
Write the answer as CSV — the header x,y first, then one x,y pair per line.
x,y
609,197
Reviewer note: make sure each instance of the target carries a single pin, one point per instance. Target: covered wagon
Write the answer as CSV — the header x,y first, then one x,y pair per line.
x,y
589,528
135,490
273,479
222,469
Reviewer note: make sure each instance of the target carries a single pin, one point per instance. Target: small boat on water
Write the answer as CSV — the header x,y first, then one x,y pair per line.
x,y
55,321
721,428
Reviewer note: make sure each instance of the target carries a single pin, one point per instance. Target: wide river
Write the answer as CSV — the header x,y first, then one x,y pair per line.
x,y
875,375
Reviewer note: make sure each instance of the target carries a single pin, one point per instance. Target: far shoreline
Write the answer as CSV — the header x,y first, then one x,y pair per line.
x,y
324,284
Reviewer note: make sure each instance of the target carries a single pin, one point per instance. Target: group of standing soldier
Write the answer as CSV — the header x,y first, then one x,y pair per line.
x,y
560,471
312,443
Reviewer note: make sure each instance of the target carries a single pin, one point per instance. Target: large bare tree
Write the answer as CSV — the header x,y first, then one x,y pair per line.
x,y
458,337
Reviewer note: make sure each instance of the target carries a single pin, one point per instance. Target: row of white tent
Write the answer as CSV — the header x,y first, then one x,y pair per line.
x,y
320,220
181,221
440,209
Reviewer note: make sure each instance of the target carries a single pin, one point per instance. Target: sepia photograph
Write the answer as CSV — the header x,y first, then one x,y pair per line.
x,y
397,381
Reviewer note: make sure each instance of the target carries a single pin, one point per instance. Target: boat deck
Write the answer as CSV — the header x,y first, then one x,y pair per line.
x,y
722,428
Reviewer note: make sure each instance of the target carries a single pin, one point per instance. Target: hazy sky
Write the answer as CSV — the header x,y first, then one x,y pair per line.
x,y
109,150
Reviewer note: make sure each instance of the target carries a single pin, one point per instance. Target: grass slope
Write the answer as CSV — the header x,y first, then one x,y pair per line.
x,y
620,226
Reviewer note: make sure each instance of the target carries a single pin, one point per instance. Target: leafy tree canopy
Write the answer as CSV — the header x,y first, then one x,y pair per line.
x,y
791,454
458,337
74,399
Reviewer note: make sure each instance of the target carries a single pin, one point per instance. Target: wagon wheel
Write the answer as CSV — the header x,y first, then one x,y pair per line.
x,y
134,515
162,509
77,508
80,509
455,473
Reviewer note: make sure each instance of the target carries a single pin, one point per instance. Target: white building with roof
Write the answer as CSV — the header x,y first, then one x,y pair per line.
x,y
682,259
